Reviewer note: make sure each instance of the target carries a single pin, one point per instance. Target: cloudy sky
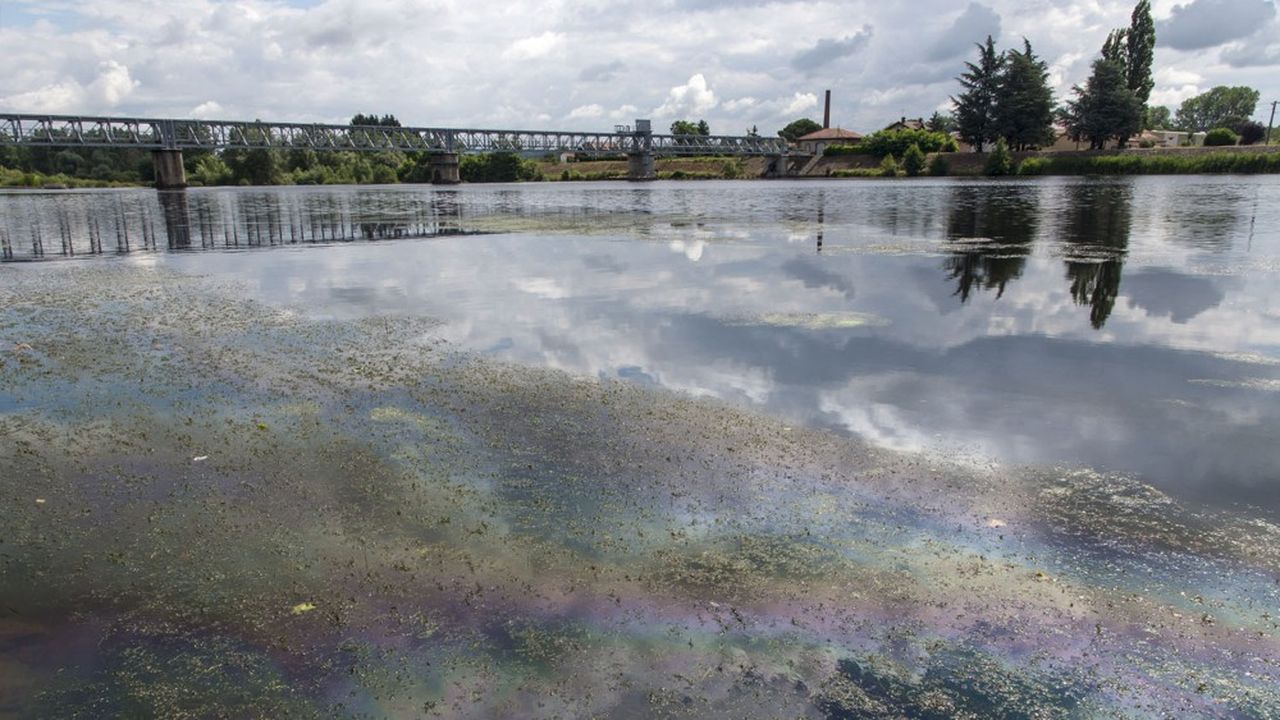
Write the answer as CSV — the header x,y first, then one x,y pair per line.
x,y
584,64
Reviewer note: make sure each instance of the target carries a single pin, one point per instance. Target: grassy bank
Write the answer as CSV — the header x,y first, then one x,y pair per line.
x,y
10,178
1164,164
1172,161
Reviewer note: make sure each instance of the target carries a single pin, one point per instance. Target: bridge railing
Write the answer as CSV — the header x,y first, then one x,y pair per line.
x,y
177,134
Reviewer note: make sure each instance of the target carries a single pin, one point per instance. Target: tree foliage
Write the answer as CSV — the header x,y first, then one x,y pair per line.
x,y
941,122
1218,137
1220,107
896,142
1023,109
999,160
1140,47
1105,108
1133,50
913,161
1251,132
497,167
373,120
1157,117
688,127
975,106
797,129
1113,49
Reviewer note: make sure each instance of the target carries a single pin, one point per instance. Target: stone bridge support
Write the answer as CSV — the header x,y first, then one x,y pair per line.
x,y
444,169
775,166
640,166
170,175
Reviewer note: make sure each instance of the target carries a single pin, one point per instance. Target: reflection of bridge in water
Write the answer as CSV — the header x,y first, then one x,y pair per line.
x,y
93,224
442,146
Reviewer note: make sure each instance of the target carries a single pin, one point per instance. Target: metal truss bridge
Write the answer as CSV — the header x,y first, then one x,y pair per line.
x,y
172,134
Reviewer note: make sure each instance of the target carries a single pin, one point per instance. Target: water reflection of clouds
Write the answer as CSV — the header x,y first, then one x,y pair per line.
x,y
1054,355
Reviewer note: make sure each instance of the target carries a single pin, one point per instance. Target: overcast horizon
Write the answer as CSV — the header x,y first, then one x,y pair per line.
x,y
587,65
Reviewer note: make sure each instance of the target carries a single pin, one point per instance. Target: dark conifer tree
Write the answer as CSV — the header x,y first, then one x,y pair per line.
x,y
975,107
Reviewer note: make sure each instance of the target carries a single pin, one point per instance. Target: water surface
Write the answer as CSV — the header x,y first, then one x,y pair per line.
x,y
818,449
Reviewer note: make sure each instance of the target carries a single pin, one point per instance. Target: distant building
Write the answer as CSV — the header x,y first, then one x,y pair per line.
x,y
818,140
1162,139
907,124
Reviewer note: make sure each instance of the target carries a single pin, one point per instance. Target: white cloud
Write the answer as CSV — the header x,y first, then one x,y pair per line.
x,y
55,98
626,112
586,111
1177,76
207,110
537,46
436,62
692,98
112,85
800,102
743,103
1173,96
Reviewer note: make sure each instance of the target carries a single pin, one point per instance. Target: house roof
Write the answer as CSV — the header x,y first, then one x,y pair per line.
x,y
831,134
910,124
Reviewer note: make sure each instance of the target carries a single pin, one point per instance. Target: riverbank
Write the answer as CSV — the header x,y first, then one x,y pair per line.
x,y
1147,161
11,178
1136,161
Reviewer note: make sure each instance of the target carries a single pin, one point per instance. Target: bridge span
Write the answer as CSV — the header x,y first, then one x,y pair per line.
x,y
168,137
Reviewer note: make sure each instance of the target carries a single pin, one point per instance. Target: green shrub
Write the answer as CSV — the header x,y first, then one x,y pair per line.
x,y
913,161
1251,132
731,169
1220,136
1033,166
835,150
938,166
999,161
854,172
896,142
1146,144
889,166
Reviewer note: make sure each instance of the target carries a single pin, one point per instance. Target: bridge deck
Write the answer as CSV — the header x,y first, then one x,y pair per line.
x,y
176,134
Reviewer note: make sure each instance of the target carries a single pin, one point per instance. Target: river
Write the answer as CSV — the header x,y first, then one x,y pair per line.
x,y
743,449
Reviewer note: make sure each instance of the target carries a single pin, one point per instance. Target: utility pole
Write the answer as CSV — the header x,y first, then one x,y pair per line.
x,y
1272,120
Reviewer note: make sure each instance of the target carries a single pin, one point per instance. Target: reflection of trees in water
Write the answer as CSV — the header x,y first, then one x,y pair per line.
x,y
991,229
75,224
1096,234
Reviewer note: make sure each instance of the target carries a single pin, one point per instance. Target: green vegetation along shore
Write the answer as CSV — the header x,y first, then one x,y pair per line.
x,y
510,168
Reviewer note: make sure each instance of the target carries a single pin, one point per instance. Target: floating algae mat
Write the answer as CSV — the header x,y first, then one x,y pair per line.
x,y
217,508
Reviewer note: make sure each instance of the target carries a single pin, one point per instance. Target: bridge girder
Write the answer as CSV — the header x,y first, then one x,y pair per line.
x,y
177,134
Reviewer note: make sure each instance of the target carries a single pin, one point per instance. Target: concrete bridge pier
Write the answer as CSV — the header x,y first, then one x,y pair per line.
x,y
640,166
775,166
444,169
170,175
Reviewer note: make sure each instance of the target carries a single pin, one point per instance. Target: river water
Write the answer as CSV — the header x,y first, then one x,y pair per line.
x,y
742,449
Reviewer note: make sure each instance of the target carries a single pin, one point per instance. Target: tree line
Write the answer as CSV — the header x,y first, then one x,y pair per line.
x,y
36,166
1006,99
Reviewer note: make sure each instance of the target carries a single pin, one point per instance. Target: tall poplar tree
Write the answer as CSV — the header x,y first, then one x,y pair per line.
x,y
1140,51
1114,49
975,107
1024,101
